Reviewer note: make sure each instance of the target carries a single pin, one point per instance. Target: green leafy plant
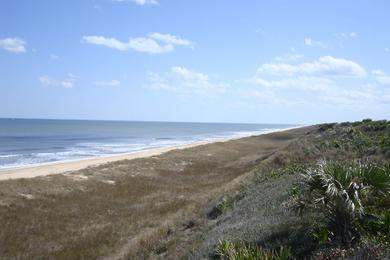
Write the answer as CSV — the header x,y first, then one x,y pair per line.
x,y
347,193
378,227
226,203
240,251
321,234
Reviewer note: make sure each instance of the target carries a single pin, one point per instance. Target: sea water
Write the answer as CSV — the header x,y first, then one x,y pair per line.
x,y
27,142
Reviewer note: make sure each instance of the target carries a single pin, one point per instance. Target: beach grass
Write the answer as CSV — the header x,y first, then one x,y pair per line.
x,y
125,209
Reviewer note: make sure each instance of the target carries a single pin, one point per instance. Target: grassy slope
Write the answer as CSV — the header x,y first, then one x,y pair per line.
x,y
257,215
139,208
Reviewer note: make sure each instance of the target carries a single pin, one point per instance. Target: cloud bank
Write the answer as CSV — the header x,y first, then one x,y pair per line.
x,y
154,43
324,66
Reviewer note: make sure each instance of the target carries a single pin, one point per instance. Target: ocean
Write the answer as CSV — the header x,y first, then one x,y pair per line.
x,y
28,142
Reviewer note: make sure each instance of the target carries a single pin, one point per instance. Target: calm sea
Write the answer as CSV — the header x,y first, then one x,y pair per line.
x,y
25,142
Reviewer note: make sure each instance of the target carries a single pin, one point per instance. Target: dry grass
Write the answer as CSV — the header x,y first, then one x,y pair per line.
x,y
128,209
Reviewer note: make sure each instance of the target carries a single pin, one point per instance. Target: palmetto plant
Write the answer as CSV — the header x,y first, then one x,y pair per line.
x,y
346,193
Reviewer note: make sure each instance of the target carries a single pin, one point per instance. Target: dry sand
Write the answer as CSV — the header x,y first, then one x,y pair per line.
x,y
70,166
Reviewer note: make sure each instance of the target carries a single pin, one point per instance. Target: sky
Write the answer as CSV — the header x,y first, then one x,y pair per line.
x,y
298,62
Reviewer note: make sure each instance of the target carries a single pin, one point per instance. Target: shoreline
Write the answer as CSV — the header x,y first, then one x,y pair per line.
x,y
62,167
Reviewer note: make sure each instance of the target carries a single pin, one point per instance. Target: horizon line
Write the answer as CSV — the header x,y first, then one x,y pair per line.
x,y
147,121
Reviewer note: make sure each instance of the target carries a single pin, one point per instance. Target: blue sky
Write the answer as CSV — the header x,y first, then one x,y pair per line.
x,y
206,61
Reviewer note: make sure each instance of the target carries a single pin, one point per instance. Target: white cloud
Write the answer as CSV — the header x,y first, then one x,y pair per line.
x,y
324,66
190,75
349,35
312,43
353,34
14,45
141,44
138,44
140,2
146,2
170,39
149,46
308,41
387,49
359,97
327,81
184,81
294,92
54,57
108,42
68,82
301,82
381,77
110,83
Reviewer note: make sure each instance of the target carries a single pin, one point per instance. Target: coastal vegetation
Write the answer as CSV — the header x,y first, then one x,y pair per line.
x,y
337,206
318,192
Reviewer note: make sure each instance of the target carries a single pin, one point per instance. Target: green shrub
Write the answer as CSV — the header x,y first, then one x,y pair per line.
x,y
385,142
347,193
321,234
225,204
378,227
377,125
240,251
357,123
324,127
345,124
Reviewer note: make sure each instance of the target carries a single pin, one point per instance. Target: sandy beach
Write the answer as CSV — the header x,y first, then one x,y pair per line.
x,y
70,166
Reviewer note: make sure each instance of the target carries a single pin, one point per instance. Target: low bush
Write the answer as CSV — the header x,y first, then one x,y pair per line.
x,y
376,125
354,197
324,127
